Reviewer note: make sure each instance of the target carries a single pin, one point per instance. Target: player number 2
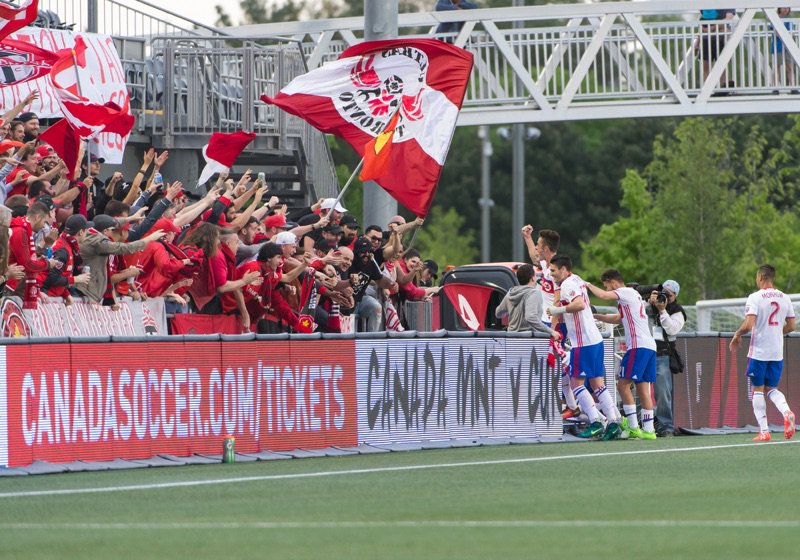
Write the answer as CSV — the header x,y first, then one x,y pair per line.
x,y
775,309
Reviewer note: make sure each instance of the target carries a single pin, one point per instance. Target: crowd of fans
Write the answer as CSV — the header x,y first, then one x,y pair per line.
x,y
236,250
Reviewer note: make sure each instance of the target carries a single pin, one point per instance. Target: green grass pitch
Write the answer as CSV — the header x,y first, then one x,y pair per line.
x,y
712,497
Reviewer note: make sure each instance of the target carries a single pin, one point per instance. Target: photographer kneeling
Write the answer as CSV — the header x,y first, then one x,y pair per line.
x,y
668,318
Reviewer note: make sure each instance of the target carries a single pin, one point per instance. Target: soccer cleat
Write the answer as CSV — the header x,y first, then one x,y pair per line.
x,y
612,432
648,435
788,424
594,429
636,433
570,413
763,436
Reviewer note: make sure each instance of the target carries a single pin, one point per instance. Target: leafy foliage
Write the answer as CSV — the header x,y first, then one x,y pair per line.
x,y
444,238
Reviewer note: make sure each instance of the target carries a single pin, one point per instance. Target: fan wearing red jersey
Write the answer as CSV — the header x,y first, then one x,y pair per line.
x,y
769,314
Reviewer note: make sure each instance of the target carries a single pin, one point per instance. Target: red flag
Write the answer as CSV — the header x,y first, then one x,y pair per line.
x,y
21,61
66,141
88,113
13,19
221,152
469,301
422,81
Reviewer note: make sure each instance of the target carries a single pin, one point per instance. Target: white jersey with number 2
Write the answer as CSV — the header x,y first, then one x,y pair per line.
x,y
771,307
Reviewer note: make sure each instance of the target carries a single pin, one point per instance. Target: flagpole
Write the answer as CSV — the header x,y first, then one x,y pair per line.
x,y
361,163
349,182
80,92
413,238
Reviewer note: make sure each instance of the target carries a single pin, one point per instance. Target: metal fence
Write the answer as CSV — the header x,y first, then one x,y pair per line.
x,y
128,18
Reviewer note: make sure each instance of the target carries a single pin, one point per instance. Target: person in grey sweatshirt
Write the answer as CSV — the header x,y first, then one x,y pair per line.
x,y
523,305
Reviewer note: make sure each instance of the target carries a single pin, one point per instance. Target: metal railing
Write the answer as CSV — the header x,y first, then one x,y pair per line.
x,y
128,18
191,87
600,60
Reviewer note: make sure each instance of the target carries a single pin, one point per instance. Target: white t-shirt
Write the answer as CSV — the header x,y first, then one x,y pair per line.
x,y
771,307
632,309
581,328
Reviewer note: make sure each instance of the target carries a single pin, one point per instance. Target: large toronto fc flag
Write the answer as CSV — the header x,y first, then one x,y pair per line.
x,y
396,102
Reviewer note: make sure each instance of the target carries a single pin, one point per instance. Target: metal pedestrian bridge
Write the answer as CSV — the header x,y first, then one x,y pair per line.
x,y
598,61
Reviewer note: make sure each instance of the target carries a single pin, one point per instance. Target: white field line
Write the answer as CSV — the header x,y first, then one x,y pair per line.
x,y
423,524
187,483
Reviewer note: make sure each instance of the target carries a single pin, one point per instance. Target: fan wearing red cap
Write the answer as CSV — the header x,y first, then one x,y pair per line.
x,y
28,171
48,158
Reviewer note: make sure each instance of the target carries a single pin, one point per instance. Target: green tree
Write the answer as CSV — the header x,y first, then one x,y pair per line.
x,y
444,239
710,219
626,244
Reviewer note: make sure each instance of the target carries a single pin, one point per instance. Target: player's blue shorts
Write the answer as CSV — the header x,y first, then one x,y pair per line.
x,y
764,373
587,361
639,365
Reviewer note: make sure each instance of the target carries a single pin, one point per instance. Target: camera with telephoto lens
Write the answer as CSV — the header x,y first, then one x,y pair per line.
x,y
646,289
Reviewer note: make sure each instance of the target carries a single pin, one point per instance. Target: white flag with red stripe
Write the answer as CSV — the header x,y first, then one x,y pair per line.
x,y
221,152
13,19
422,82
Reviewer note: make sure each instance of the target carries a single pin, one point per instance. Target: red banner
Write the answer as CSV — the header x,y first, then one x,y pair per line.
x,y
98,402
469,301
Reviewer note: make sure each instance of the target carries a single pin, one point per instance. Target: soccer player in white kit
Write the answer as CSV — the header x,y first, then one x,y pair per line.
x,y
586,354
541,252
639,363
770,315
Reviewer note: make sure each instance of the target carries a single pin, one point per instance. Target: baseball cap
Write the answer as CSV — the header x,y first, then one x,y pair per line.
x,y
95,159
672,286
324,245
276,220
335,229
285,238
166,225
309,219
350,221
432,266
47,201
29,116
75,224
45,150
102,222
362,245
328,203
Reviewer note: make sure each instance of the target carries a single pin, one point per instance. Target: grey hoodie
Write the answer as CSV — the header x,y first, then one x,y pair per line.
x,y
524,305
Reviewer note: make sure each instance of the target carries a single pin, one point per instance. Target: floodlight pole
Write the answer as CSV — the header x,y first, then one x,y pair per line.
x,y
380,22
517,176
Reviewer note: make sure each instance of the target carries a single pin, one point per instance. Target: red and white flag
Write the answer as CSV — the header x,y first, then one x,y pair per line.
x,y
13,19
21,61
422,82
86,109
66,141
221,152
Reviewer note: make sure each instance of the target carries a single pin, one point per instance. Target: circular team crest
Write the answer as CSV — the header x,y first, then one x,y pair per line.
x,y
14,323
385,83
